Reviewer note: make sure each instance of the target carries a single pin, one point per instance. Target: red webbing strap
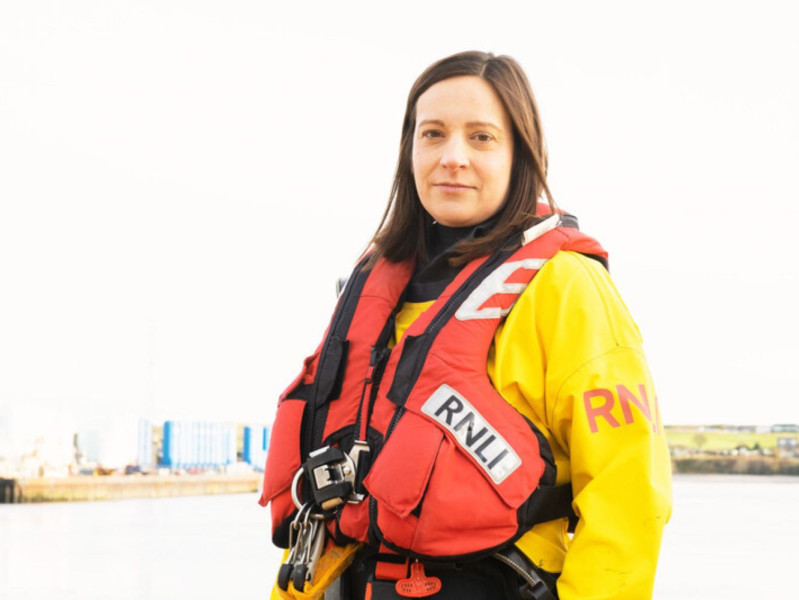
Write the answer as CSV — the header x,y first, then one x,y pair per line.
x,y
391,570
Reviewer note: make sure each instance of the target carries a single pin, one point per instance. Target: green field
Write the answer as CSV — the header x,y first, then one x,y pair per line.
x,y
714,441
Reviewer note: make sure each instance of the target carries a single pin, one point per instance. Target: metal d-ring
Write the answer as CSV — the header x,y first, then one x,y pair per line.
x,y
296,498
294,495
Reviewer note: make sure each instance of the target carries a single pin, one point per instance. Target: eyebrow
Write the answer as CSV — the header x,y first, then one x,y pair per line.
x,y
469,124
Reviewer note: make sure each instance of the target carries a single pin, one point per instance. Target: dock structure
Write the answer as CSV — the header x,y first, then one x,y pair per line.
x,y
117,487
8,491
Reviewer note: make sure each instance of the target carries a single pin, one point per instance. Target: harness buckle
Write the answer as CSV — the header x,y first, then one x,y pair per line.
x,y
333,476
330,474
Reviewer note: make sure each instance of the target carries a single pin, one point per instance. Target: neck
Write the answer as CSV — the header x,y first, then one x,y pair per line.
x,y
443,239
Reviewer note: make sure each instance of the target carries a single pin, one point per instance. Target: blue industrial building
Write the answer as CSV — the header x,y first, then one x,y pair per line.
x,y
256,443
188,444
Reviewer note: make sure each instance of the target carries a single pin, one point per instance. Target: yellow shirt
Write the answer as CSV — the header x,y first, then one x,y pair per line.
x,y
569,358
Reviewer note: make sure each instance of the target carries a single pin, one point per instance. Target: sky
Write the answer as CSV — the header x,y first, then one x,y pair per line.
x,y
182,182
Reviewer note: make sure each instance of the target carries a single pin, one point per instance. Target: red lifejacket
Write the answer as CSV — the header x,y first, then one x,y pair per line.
x,y
454,471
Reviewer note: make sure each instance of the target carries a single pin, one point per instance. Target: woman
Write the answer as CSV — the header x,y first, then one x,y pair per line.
x,y
452,438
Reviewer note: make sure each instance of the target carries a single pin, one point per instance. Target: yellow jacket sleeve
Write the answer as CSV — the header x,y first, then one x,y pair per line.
x,y
569,358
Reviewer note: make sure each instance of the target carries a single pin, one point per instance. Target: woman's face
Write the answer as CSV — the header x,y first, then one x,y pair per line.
x,y
462,151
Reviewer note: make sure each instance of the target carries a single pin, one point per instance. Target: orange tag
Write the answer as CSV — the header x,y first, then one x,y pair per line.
x,y
418,585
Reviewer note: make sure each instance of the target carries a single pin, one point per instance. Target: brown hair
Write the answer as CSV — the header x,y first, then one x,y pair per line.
x,y
401,233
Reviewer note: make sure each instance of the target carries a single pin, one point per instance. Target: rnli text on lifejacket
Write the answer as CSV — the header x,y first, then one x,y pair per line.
x,y
472,432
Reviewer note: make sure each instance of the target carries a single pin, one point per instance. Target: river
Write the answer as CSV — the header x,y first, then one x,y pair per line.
x,y
730,537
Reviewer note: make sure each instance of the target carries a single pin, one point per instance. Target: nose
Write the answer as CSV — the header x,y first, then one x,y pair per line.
x,y
455,154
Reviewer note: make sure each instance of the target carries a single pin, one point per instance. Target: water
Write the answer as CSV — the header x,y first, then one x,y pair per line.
x,y
190,547
730,537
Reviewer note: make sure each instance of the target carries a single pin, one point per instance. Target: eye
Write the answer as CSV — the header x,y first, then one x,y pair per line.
x,y
432,133
483,137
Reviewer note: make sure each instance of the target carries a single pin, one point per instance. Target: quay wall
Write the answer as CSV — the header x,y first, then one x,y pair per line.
x,y
116,487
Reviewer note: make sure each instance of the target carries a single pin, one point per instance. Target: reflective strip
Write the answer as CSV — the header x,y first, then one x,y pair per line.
x,y
495,284
536,231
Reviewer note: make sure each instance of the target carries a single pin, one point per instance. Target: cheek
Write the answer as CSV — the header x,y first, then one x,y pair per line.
x,y
498,172
504,170
414,168
416,172
416,161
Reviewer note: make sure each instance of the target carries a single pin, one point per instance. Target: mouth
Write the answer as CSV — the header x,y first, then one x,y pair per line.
x,y
451,186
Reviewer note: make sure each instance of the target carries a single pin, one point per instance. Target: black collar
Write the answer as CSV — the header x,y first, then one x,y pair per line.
x,y
430,278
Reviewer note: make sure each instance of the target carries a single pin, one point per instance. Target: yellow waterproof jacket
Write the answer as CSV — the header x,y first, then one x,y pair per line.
x,y
569,358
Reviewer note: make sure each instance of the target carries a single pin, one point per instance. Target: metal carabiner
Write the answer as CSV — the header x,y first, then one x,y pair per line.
x,y
297,545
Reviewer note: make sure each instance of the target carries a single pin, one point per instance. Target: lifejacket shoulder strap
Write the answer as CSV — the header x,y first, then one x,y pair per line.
x,y
463,301
332,359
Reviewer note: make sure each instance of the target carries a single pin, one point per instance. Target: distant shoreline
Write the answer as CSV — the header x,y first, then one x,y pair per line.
x,y
117,487
735,465
734,450
710,478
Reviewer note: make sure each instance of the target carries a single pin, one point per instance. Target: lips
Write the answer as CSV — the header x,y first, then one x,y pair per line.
x,y
451,186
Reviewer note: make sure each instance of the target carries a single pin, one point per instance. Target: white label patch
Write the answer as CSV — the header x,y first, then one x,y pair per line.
x,y
472,432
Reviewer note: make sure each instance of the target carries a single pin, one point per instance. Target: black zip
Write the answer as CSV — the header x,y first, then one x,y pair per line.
x,y
378,359
394,420
377,377
367,380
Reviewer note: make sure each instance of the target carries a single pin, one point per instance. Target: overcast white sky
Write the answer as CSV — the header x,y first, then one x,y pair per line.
x,y
181,183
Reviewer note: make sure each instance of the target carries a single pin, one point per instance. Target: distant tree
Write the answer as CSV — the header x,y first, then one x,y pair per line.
x,y
700,439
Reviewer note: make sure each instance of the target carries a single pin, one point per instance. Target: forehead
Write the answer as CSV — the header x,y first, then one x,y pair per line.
x,y
462,99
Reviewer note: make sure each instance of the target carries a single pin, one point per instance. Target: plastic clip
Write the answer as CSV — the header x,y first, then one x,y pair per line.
x,y
331,475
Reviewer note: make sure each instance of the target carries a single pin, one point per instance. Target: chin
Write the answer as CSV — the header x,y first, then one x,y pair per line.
x,y
456,222
459,221
453,219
